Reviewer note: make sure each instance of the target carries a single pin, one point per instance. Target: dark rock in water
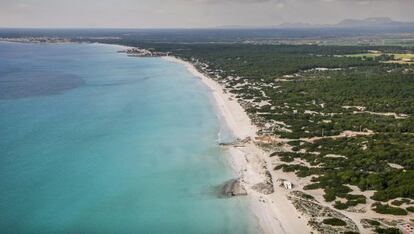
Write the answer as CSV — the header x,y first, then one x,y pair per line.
x,y
232,188
264,188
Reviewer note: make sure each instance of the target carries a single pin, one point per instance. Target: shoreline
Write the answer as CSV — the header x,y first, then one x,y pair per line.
x,y
274,212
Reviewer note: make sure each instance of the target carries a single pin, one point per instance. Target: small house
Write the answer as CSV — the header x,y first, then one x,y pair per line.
x,y
287,184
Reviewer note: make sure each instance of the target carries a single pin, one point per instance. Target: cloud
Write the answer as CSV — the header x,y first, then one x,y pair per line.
x,y
193,13
280,5
233,1
277,1
359,2
23,5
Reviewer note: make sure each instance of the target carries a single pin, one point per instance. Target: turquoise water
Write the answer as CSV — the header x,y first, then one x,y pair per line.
x,y
93,141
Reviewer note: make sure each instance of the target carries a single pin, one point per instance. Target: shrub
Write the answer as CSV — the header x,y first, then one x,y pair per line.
x,y
397,203
387,231
312,186
286,159
340,206
334,222
329,196
386,209
410,209
373,222
307,196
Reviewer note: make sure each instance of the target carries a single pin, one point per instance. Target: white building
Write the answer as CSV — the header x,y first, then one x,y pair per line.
x,y
287,184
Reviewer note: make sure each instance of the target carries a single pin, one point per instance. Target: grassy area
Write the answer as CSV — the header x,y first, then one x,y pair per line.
x,y
398,58
364,55
403,56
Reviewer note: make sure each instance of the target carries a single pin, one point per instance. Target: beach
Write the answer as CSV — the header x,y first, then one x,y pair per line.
x,y
274,212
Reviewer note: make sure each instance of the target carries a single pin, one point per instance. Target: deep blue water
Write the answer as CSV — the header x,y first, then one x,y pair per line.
x,y
93,141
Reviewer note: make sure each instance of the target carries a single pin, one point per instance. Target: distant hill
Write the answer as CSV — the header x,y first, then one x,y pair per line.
x,y
373,22
298,25
377,22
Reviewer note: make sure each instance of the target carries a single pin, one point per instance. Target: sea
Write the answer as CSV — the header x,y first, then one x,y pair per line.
x,y
95,141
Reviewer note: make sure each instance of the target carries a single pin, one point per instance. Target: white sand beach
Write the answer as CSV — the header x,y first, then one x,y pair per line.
x,y
274,212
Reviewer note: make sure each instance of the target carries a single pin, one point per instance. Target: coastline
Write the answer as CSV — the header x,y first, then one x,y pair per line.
x,y
274,212
159,175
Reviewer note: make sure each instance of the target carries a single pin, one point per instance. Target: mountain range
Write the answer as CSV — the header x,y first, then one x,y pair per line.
x,y
376,22
353,23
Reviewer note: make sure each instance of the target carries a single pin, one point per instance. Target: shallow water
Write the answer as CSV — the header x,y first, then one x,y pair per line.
x,y
95,141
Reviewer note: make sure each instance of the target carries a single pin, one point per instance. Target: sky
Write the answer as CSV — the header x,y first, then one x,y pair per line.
x,y
193,13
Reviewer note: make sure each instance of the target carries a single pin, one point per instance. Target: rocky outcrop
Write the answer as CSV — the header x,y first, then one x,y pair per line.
x,y
264,188
232,188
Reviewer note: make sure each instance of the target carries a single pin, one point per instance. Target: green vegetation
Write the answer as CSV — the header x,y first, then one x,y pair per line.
x,y
406,58
399,202
263,61
319,98
386,209
309,197
368,169
334,222
364,55
403,56
410,209
373,222
388,231
322,91
352,200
